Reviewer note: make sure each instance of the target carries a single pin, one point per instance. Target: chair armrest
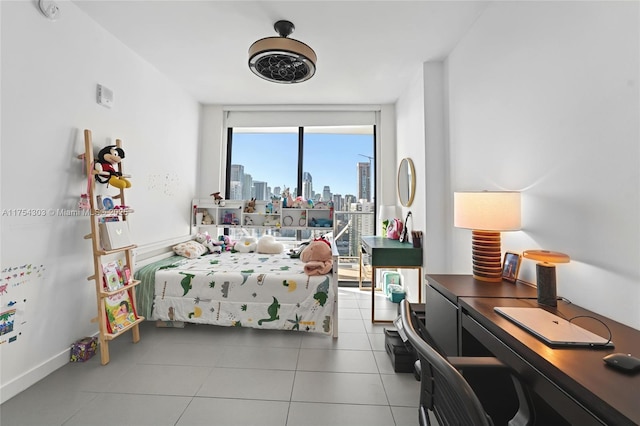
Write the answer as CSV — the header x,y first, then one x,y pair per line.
x,y
476,362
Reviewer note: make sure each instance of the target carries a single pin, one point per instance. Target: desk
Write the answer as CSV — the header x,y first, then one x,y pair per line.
x,y
575,383
391,254
442,304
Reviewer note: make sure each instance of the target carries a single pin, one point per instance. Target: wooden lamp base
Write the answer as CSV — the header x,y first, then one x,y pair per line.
x,y
487,256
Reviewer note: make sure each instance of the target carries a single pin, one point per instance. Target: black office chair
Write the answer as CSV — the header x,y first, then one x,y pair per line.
x,y
443,390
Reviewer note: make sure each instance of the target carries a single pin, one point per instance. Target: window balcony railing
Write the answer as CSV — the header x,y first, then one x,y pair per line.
x,y
348,229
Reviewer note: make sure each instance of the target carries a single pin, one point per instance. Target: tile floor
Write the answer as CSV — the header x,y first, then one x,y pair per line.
x,y
205,375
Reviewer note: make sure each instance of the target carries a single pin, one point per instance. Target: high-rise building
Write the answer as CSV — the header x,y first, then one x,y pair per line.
x,y
237,181
338,204
277,191
260,190
247,186
362,224
326,193
307,186
364,181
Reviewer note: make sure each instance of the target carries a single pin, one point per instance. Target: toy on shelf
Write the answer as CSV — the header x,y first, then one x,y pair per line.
x,y
287,201
206,218
217,199
251,206
105,167
230,218
321,223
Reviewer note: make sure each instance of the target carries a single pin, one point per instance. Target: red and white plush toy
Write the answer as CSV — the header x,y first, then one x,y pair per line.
x,y
317,257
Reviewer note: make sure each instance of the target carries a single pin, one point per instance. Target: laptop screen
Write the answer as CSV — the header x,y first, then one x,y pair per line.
x,y
555,331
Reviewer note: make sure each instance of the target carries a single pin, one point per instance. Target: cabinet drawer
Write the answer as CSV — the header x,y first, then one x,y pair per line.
x,y
441,319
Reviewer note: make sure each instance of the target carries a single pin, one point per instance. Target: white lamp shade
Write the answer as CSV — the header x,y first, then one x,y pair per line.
x,y
387,212
487,211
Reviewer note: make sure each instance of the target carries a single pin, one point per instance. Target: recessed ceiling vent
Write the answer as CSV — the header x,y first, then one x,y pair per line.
x,y
282,59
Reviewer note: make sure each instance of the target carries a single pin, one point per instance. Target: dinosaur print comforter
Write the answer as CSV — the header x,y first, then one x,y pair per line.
x,y
245,290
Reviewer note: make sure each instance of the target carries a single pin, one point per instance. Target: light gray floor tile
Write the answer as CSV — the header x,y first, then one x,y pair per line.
x,y
348,304
385,366
248,384
377,340
203,355
345,313
346,361
406,416
314,414
261,358
160,380
402,389
38,406
351,326
355,341
346,388
122,409
234,412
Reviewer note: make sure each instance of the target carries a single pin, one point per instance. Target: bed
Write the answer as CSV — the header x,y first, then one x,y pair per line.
x,y
264,291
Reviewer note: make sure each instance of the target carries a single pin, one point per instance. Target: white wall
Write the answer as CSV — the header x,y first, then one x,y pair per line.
x,y
49,75
543,98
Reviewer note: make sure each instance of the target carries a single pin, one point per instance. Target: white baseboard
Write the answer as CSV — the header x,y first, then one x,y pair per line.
x,y
33,376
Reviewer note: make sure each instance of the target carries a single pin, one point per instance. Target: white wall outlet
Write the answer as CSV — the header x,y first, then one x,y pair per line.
x,y
104,96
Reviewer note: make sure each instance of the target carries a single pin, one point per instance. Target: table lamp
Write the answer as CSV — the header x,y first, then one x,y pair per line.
x,y
546,273
487,214
386,213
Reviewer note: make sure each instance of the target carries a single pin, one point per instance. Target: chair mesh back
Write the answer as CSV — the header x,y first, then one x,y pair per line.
x,y
442,388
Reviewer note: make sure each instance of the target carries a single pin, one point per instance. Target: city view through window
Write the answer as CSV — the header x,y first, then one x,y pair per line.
x,y
337,166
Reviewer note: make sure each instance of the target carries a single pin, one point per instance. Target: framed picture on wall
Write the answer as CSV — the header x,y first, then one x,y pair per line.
x,y
510,266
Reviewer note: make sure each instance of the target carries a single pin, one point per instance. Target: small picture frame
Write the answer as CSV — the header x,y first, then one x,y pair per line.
x,y
107,203
510,266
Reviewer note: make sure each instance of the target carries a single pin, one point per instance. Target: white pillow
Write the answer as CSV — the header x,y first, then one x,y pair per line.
x,y
190,249
267,244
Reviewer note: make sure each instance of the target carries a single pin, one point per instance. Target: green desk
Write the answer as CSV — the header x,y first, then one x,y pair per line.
x,y
390,254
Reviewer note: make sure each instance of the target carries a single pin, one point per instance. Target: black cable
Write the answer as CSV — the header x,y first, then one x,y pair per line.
x,y
596,345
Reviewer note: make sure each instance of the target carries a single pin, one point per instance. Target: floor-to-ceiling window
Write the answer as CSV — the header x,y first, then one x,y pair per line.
x,y
328,164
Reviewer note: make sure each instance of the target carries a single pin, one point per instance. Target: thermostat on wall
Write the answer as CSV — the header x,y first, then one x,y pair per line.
x,y
104,96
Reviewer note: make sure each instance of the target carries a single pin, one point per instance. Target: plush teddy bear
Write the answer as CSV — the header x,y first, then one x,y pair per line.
x,y
246,245
317,257
251,206
206,218
267,244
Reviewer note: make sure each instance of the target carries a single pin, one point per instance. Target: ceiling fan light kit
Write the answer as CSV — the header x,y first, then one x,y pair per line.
x,y
282,59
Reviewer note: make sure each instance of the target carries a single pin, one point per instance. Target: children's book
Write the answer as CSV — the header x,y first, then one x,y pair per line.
x,y
113,276
120,311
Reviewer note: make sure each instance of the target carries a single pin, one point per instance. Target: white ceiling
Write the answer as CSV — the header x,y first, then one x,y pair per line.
x,y
367,50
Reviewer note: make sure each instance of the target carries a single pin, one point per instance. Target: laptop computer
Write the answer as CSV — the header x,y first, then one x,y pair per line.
x,y
555,331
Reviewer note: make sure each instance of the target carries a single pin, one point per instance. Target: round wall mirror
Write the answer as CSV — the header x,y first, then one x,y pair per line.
x,y
406,182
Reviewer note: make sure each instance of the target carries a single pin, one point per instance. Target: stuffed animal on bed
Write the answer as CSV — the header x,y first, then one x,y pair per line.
x,y
246,245
317,258
214,246
267,244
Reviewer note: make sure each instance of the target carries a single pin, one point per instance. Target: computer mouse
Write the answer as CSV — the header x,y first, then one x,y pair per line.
x,y
623,362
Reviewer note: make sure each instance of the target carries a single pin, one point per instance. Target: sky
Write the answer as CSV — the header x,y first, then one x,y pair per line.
x,y
330,159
